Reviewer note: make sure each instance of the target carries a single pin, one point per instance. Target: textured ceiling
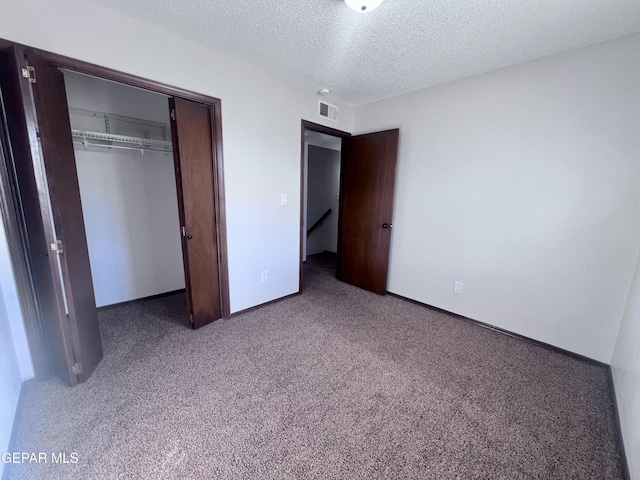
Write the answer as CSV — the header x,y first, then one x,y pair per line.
x,y
404,45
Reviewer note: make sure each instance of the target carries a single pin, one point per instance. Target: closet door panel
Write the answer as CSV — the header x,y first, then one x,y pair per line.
x,y
194,161
56,144
49,339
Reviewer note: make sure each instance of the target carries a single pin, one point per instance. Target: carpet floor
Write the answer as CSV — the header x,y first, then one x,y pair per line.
x,y
336,383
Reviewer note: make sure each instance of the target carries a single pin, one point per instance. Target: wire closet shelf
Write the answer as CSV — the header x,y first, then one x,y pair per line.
x,y
117,132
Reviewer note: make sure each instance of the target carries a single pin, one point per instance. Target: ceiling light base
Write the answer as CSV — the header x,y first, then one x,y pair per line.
x,y
363,6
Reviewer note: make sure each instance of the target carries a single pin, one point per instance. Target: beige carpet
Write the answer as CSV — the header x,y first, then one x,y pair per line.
x,y
336,383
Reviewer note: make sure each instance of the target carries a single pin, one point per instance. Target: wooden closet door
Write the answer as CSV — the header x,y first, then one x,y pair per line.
x,y
37,284
64,284
192,131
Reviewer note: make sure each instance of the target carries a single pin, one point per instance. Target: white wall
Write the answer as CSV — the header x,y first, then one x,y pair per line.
x,y
324,186
10,382
625,366
523,183
11,303
261,117
129,201
15,360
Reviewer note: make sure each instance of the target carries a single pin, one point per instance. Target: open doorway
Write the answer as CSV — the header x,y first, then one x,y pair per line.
x,y
365,203
322,199
321,163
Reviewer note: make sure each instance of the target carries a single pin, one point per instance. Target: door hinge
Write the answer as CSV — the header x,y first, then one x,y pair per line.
x,y
173,114
191,318
77,368
29,73
56,247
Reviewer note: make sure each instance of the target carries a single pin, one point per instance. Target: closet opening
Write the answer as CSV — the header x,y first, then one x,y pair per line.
x,y
124,160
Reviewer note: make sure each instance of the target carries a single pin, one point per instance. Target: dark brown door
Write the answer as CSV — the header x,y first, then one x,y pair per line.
x,y
29,255
191,129
368,181
47,166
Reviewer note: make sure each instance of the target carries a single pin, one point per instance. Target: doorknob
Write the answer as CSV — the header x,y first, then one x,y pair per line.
x,y
189,237
387,225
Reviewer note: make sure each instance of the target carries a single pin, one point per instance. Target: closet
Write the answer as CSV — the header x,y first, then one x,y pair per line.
x,y
124,159
117,190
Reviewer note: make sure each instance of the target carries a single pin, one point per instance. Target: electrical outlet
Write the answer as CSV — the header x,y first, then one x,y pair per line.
x,y
458,287
264,277
284,200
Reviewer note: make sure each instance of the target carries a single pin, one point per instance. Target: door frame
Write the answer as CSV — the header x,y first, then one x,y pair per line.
x,y
32,320
307,125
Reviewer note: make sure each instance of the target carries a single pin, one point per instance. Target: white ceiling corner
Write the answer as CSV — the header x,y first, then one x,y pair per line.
x,y
403,46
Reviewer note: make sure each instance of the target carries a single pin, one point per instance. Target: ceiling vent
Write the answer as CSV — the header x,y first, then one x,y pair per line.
x,y
328,111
